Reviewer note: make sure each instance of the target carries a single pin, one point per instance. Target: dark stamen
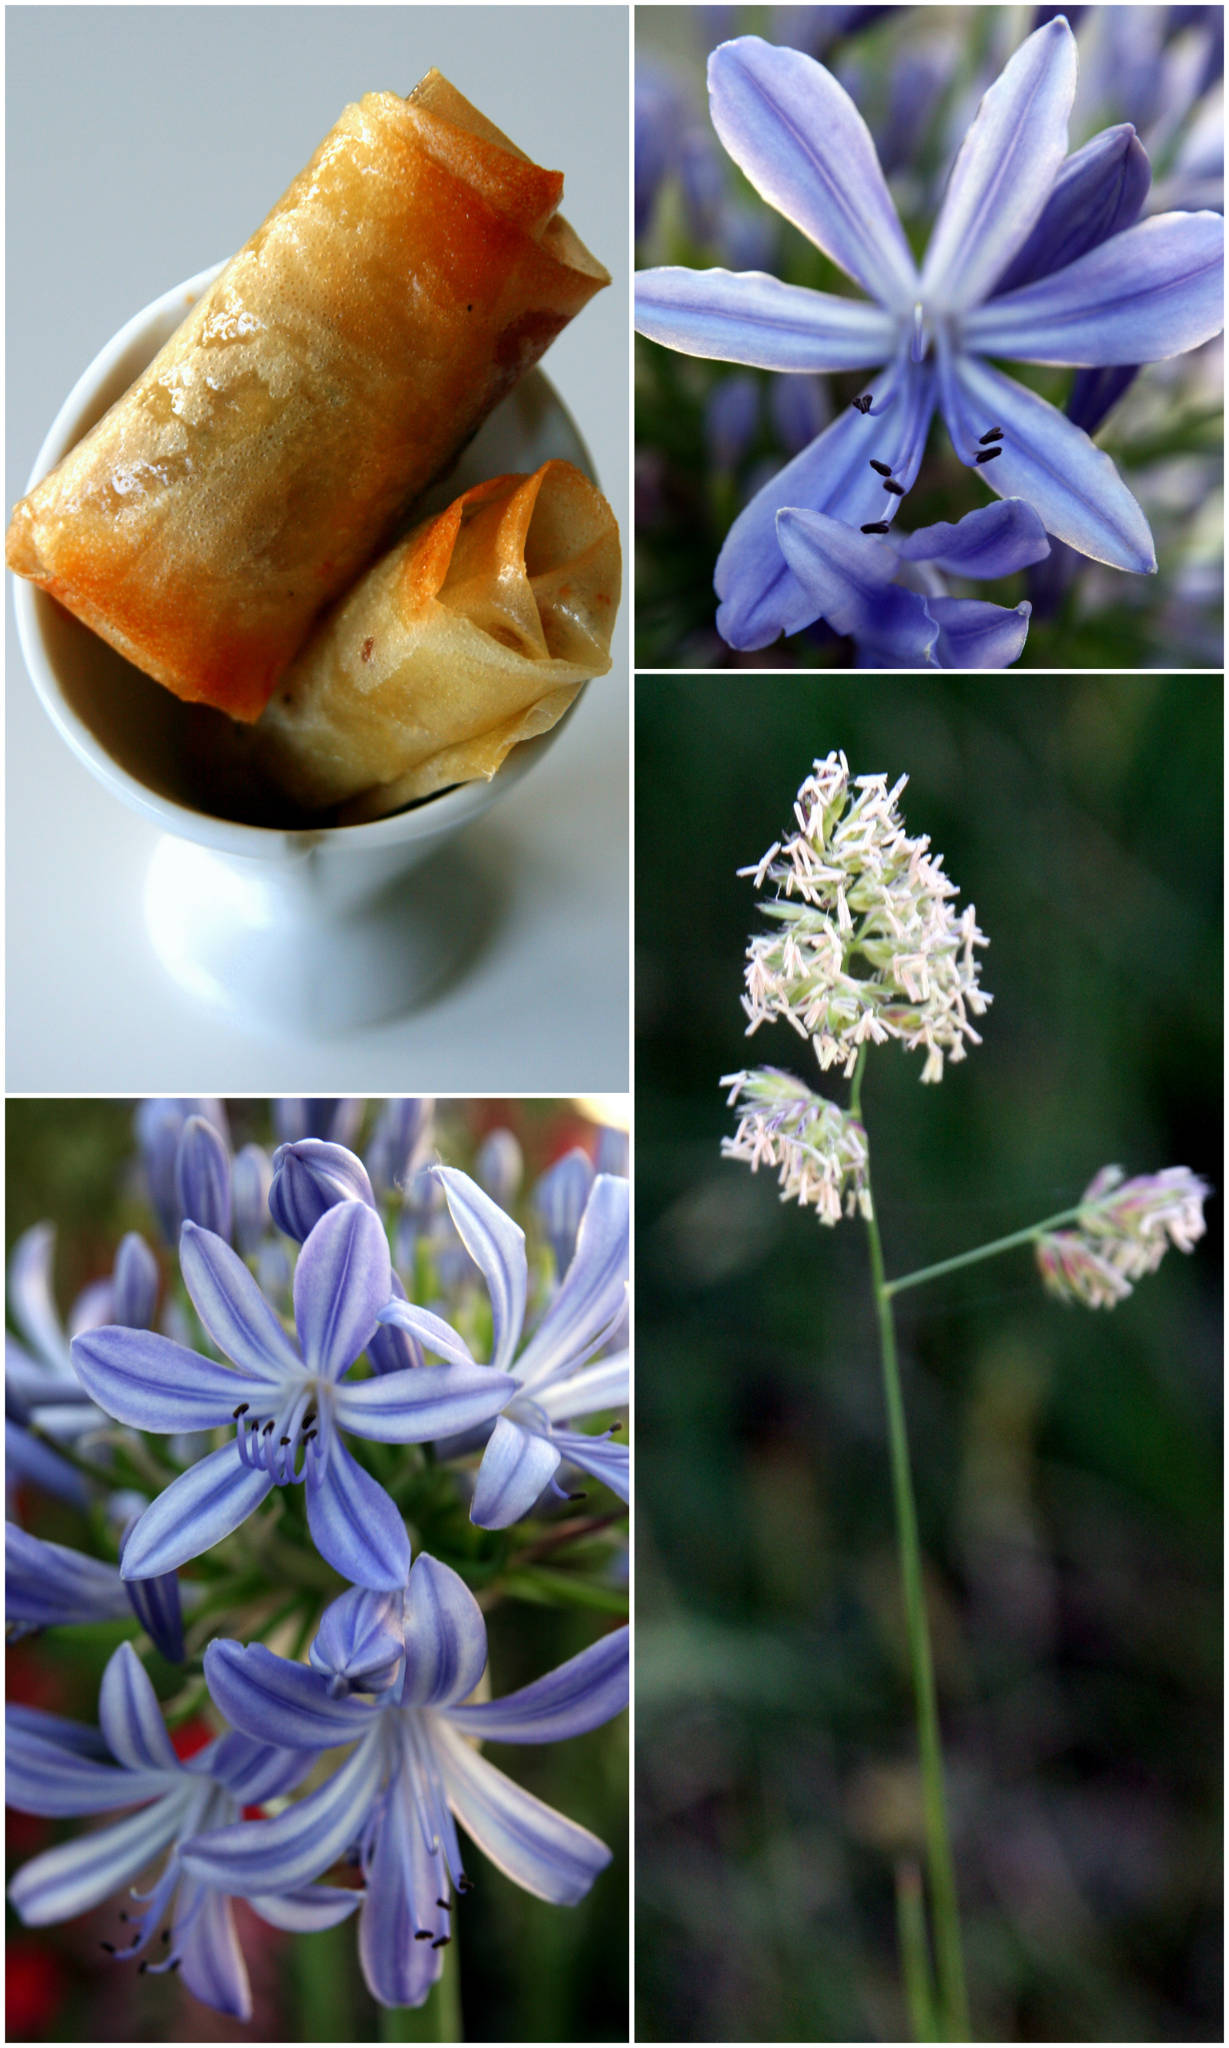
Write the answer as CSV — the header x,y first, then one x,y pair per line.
x,y
988,454
995,434
165,1934
283,1439
242,1409
123,1916
109,1946
890,484
465,1884
863,404
143,1967
876,526
268,1426
881,468
309,1418
442,1941
174,1962
445,1903
576,1496
310,1434
424,1934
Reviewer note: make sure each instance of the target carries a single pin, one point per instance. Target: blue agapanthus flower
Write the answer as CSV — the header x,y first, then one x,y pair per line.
x,y
59,1767
555,1375
291,1404
1034,256
412,1773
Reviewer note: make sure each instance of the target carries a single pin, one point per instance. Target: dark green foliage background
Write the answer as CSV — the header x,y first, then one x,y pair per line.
x,y
529,1971
1068,1464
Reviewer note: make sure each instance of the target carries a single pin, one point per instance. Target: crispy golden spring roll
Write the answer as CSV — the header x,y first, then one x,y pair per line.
x,y
405,281
474,633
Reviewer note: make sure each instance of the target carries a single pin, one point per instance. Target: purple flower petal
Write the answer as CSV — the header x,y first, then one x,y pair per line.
x,y
1072,485
233,1309
423,1403
431,1331
271,1700
399,1903
311,1176
360,1643
194,1512
995,540
47,1584
977,635
210,1959
532,1844
76,1875
130,1718
591,1301
202,1176
748,317
1099,191
581,1694
445,1636
159,1609
497,1247
516,1465
341,1282
26,1458
135,1283
761,597
604,1385
146,1380
251,1771
282,1854
1004,173
1152,292
30,1297
798,137
43,1775
354,1523
306,1911
601,1456
848,577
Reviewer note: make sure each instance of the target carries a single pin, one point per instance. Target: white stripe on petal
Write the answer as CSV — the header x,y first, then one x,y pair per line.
x,y
549,1855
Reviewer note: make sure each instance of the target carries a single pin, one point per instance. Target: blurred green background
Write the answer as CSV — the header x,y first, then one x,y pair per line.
x,y
529,1971
1067,1463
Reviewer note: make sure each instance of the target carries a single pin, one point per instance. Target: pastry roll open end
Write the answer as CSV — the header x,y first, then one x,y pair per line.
x,y
473,634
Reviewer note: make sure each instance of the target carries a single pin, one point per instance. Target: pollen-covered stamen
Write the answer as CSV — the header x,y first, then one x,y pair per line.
x,y
863,404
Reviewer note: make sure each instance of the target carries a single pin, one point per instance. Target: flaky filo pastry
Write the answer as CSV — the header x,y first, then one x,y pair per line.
x,y
336,366
473,634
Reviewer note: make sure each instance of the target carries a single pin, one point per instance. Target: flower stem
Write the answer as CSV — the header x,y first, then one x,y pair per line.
x,y
953,2018
984,1251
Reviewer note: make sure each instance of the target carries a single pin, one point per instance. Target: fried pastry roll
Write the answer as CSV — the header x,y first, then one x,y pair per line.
x,y
473,634
336,366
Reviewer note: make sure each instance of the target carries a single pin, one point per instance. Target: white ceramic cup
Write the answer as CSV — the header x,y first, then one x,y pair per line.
x,y
317,931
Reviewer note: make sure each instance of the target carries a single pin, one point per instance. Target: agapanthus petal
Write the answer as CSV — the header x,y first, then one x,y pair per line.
x,y
271,1700
360,1643
232,1307
761,598
26,1458
1154,291
431,1331
797,135
308,1910
423,1403
134,1283
354,1523
76,1875
399,1903
250,1770
994,540
77,1736
1005,171
602,1457
977,635
496,1244
47,1584
194,1512
849,577
129,1715
749,317
144,1379
341,1282
583,1693
390,1349
158,1606
1072,485
288,1851
593,1295
44,1775
30,1297
1099,191
250,1179
606,1384
445,1636
549,1855
210,1958
516,1465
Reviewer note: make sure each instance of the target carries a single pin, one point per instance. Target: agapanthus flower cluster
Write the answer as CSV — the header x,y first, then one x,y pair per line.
x,y
363,1375
817,1150
866,945
1122,1231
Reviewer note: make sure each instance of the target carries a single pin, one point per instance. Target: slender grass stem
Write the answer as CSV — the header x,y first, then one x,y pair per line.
x,y
984,1251
953,2017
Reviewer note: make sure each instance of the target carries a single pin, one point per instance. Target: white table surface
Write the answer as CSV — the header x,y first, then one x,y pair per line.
x,y
144,143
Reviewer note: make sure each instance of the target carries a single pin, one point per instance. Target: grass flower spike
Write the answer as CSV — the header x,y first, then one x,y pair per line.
x,y
1123,1230
866,945
817,1150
